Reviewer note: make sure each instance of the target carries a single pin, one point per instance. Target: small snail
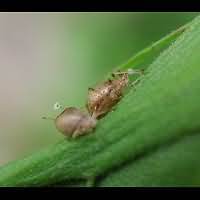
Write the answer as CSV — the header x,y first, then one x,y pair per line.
x,y
103,97
73,122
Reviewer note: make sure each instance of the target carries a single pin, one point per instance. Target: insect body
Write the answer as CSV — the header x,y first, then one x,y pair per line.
x,y
73,122
103,97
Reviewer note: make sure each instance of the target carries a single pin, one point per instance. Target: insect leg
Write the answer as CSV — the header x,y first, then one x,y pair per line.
x,y
91,89
135,71
48,118
129,72
113,74
134,82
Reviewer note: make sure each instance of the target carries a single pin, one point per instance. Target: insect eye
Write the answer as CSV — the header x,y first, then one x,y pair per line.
x,y
57,106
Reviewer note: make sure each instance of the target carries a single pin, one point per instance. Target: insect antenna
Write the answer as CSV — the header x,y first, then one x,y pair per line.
x,y
130,72
48,118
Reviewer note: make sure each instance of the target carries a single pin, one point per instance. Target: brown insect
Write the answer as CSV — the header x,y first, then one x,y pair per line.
x,y
103,97
73,122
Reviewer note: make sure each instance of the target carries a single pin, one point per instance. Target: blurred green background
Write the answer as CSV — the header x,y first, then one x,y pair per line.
x,y
50,57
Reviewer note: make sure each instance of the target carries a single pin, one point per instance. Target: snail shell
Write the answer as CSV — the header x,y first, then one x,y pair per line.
x,y
73,122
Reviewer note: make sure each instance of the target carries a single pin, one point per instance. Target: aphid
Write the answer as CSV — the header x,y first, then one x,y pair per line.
x,y
103,97
73,122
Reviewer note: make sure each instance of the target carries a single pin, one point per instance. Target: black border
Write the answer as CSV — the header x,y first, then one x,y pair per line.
x,y
99,193
99,6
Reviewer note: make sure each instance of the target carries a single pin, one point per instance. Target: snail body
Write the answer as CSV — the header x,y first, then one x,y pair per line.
x,y
73,122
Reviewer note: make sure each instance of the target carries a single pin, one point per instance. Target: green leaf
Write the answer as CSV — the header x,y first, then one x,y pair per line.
x,y
163,109
145,57
175,164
